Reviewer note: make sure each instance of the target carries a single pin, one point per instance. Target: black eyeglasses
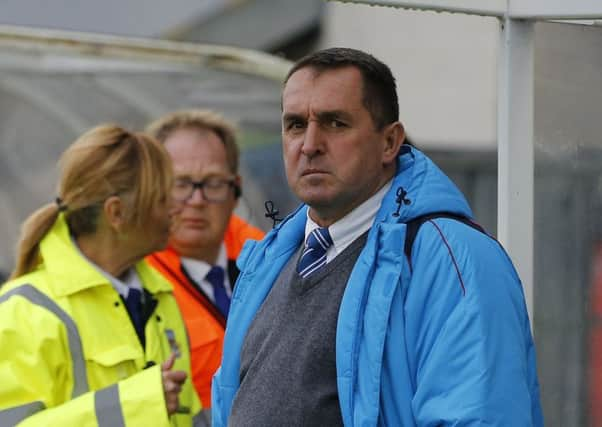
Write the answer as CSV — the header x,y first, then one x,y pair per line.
x,y
213,189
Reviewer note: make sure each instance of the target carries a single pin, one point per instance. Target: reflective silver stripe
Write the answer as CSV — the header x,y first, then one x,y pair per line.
x,y
34,296
11,416
202,419
108,407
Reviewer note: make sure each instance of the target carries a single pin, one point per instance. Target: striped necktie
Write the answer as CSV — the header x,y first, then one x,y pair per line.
x,y
314,252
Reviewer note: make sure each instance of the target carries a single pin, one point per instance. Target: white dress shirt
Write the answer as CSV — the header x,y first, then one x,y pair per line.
x,y
344,231
197,270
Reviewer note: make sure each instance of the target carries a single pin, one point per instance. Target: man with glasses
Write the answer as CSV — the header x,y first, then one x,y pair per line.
x,y
200,260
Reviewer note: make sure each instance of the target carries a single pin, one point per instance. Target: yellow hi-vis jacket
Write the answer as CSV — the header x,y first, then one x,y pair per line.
x,y
70,356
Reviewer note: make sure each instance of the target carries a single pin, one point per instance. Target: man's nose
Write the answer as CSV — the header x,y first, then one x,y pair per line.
x,y
313,142
197,197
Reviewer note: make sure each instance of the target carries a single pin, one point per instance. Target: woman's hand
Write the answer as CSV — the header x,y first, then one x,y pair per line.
x,y
172,384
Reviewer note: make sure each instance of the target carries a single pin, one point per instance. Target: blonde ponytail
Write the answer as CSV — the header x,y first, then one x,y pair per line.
x,y
33,230
105,161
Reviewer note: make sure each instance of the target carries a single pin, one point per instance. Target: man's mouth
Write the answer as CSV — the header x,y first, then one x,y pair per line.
x,y
193,221
312,171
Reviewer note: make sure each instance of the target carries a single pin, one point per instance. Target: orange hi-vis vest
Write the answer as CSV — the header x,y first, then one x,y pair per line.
x,y
204,322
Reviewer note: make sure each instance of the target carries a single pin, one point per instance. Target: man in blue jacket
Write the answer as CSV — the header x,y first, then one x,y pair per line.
x,y
334,322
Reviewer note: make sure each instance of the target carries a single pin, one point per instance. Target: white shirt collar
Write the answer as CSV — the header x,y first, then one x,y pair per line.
x,y
197,270
352,225
130,281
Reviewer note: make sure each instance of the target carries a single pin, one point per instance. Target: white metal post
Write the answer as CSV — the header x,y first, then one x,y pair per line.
x,y
515,147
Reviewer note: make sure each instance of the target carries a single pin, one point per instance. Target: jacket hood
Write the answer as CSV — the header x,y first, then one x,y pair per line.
x,y
420,188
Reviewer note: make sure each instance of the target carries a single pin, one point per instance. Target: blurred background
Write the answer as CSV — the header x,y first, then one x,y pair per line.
x,y
231,55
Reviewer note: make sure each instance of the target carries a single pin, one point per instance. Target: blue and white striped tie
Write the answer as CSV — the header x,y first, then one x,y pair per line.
x,y
314,253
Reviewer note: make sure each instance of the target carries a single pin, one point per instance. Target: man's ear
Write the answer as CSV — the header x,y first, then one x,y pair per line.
x,y
114,212
394,135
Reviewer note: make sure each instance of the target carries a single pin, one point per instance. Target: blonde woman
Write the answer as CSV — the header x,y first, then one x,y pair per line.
x,y
89,333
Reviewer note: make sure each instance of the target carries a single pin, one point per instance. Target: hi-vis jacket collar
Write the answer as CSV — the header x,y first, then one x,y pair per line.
x,y
61,263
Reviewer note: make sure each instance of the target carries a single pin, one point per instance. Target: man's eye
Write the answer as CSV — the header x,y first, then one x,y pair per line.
x,y
215,182
181,183
336,124
293,125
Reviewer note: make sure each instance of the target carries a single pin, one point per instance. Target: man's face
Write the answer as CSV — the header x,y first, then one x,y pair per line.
x,y
198,155
333,155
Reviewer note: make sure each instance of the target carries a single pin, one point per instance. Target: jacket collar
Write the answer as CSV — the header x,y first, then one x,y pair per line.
x,y
425,189
70,272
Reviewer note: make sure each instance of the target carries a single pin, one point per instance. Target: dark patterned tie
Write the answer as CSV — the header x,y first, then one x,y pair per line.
x,y
314,253
216,277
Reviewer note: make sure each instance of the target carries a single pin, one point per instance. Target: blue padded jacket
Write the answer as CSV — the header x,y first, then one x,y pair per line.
x,y
445,342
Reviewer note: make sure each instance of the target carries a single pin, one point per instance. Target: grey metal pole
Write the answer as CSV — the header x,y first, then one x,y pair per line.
x,y
515,147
